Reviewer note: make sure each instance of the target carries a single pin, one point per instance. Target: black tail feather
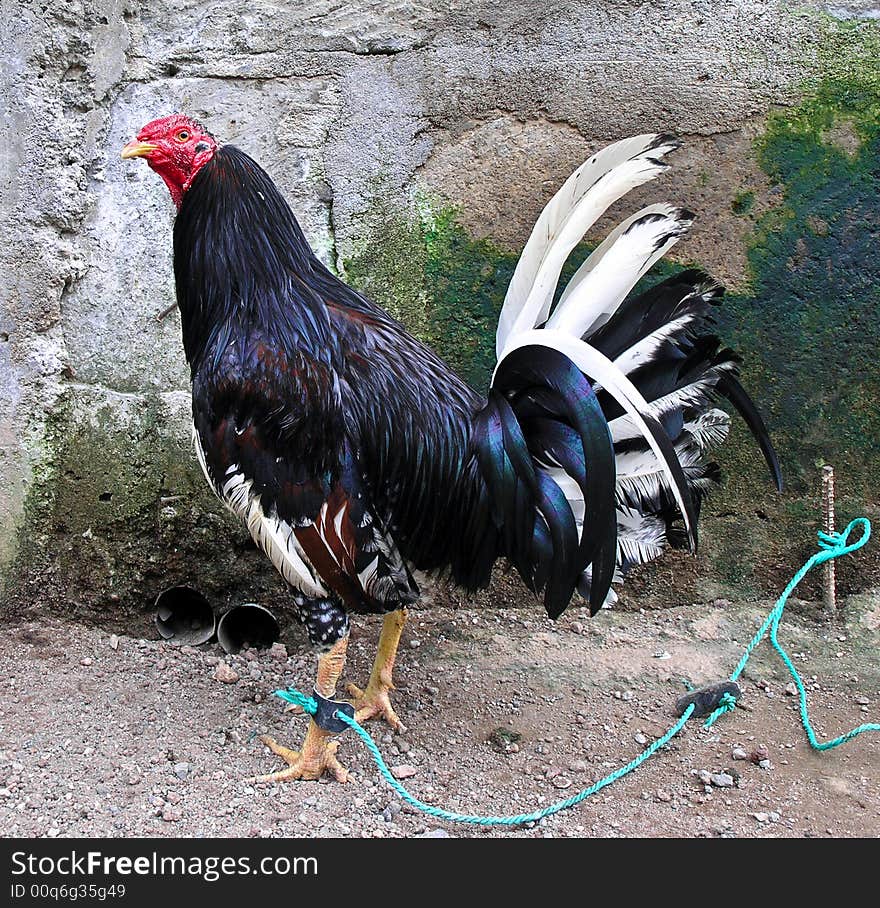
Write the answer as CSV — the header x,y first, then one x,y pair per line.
x,y
541,412
732,390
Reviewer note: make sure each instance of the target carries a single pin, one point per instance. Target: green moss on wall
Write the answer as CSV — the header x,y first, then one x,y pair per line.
x,y
808,324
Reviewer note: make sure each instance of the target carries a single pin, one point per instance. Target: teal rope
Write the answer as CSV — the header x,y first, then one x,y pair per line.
x,y
310,706
832,546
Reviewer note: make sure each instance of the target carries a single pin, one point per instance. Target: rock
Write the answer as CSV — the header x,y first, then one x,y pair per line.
x,y
770,816
791,689
765,764
114,642
86,661
561,782
403,771
739,753
722,779
278,652
434,834
181,770
578,766
705,776
641,738
663,796
759,754
225,674
415,644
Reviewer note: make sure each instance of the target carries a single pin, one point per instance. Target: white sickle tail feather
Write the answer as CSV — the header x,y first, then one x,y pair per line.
x,y
656,369
599,182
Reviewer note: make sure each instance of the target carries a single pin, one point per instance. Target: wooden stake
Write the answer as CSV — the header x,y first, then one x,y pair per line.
x,y
830,590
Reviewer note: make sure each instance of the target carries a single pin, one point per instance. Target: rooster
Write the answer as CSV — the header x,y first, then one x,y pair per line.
x,y
357,458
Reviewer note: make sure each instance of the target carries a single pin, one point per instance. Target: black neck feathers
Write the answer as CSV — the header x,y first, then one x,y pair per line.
x,y
242,261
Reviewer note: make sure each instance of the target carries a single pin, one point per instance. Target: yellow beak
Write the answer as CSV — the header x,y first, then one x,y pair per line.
x,y
136,149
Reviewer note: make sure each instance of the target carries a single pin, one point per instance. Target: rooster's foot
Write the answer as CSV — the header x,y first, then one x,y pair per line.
x,y
374,703
318,755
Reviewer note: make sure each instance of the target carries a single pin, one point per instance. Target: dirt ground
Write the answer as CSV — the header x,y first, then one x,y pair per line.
x,y
507,712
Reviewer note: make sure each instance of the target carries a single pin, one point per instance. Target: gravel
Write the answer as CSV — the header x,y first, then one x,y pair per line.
x,y
149,743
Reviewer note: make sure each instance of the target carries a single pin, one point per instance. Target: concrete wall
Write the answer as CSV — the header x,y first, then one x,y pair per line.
x,y
416,142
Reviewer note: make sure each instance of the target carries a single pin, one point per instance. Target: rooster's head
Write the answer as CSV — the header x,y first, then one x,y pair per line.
x,y
176,147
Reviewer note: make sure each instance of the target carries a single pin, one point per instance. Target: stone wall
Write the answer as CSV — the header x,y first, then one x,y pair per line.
x,y
416,142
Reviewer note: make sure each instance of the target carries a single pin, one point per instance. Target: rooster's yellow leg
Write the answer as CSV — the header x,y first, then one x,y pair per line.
x,y
318,752
374,701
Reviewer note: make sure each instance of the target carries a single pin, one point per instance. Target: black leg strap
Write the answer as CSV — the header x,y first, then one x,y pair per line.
x,y
325,717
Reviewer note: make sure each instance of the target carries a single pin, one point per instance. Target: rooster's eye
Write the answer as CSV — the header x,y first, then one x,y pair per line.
x,y
182,136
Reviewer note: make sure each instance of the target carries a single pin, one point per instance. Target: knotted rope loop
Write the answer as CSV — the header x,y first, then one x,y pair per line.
x,y
834,545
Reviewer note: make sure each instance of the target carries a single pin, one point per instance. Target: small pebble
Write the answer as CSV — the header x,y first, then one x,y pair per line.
x,y
85,661
770,816
403,771
114,641
739,753
722,779
663,796
641,738
758,754
791,689
181,770
415,644
278,651
225,674
434,834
